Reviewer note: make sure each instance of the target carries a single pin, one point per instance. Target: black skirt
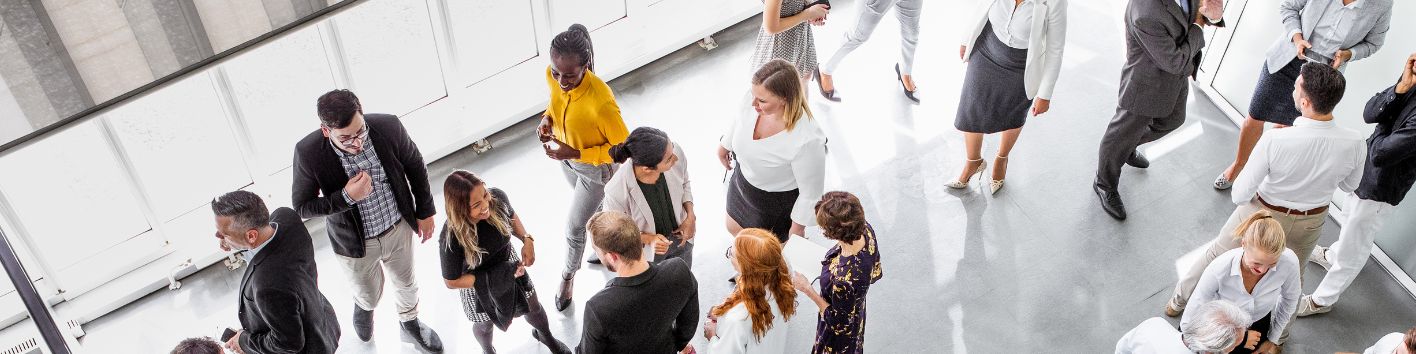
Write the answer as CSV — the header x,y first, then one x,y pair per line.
x,y
751,207
994,97
1273,95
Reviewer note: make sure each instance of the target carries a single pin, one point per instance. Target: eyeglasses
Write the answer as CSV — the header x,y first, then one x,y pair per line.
x,y
362,135
730,254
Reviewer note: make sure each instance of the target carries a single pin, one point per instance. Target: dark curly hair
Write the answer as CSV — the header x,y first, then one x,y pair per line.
x,y
198,345
336,108
841,217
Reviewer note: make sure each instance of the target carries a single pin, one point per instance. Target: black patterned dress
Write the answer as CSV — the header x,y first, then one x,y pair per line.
x,y
794,45
844,283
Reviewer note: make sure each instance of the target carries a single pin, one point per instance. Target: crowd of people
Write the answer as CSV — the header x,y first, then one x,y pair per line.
x,y
633,203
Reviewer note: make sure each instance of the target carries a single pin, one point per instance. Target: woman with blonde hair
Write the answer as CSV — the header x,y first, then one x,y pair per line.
x,y
1261,276
479,261
753,319
780,155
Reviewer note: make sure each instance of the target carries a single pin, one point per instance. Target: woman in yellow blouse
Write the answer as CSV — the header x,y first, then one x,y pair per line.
x,y
579,126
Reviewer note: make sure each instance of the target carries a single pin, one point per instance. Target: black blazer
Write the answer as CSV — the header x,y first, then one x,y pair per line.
x,y
1391,151
320,179
282,309
655,312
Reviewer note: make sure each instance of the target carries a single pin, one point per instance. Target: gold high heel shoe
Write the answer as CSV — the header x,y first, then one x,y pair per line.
x,y
982,166
997,184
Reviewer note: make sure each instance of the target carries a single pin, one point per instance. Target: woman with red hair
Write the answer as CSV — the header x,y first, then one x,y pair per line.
x,y
753,319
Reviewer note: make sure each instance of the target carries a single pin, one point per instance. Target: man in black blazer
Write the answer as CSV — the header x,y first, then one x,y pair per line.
x,y
366,176
282,309
646,308
1163,42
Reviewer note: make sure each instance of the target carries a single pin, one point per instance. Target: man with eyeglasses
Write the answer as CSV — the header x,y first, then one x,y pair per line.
x,y
366,176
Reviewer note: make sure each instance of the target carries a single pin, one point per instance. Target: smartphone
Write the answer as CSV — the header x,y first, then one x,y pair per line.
x,y
821,2
227,334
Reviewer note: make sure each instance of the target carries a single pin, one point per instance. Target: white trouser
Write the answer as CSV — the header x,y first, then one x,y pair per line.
x,y
1353,246
870,13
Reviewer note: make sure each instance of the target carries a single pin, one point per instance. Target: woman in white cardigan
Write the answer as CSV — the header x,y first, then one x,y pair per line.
x,y
1014,51
652,187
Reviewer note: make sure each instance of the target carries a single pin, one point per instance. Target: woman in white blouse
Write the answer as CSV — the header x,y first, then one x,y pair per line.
x,y
1261,277
652,187
754,318
1014,51
781,157
1394,343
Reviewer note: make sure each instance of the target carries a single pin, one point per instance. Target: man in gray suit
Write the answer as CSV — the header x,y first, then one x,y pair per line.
x,y
1163,42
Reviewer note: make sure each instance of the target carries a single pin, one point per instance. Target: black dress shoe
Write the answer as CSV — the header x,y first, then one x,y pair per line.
x,y
363,323
1111,202
908,94
1138,160
595,261
424,336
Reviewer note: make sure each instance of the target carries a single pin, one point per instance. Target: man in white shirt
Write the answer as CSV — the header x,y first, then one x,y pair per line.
x,y
1219,329
1394,343
1293,173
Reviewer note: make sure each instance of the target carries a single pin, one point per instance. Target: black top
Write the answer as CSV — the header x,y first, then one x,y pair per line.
x,y
1391,151
657,194
653,312
496,244
282,309
320,179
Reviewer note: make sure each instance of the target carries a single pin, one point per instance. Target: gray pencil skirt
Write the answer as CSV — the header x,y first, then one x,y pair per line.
x,y
994,97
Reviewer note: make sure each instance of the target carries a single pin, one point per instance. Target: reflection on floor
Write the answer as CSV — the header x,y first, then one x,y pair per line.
x,y
1036,268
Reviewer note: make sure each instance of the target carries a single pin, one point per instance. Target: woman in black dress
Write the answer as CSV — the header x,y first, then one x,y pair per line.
x,y
851,266
477,258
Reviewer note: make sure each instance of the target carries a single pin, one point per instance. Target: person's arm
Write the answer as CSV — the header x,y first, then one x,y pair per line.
x,y
682,168
1289,294
687,322
804,286
1246,185
305,192
611,127
453,262
1354,178
281,311
1056,43
417,173
592,341
1395,148
615,198
775,24
1206,290
1374,39
1162,48
1385,106
1290,12
809,169
733,335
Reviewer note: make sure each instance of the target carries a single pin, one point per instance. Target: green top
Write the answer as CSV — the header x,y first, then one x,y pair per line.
x,y
657,195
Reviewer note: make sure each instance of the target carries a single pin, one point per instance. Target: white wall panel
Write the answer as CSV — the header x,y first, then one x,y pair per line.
x,y
274,88
391,55
492,36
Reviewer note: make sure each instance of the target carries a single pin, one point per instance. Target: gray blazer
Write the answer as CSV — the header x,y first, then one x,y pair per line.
x,y
1162,48
622,192
1301,16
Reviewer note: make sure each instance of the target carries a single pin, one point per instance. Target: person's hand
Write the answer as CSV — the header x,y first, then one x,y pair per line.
x,y
561,151
234,344
1212,10
688,228
1267,348
1408,76
963,49
688,349
543,130
799,282
359,186
1341,57
661,244
1302,45
798,229
1251,340
425,229
710,329
528,253
816,13
1040,106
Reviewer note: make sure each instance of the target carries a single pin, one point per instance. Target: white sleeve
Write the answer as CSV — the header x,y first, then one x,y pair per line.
x,y
726,141
733,336
1206,290
1124,346
1354,178
809,170
1289,294
1246,186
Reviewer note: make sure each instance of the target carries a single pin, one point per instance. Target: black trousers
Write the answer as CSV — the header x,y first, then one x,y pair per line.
x,y
1128,130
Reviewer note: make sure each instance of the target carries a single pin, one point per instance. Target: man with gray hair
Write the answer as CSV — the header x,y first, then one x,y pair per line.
x,y
1220,328
281,307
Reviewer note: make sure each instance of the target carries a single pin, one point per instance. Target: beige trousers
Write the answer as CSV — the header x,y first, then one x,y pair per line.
x,y
1301,236
391,252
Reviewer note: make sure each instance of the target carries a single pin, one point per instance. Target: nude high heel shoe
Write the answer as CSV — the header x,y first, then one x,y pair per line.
x,y
997,184
978,171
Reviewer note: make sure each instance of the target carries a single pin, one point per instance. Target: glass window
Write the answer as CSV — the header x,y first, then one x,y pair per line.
x,y
391,55
180,145
1253,34
591,13
491,36
275,87
72,198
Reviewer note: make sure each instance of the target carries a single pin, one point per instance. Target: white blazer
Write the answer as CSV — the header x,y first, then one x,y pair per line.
x,y
622,192
1045,44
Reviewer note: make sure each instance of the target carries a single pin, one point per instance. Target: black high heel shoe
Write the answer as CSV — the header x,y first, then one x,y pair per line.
x,y
563,297
901,78
829,95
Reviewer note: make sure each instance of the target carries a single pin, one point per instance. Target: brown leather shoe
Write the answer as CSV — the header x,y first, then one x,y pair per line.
x,y
1172,310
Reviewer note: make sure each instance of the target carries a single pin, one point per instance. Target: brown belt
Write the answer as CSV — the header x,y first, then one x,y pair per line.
x,y
1313,211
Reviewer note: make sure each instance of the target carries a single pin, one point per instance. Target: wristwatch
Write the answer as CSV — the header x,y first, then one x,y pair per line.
x,y
527,237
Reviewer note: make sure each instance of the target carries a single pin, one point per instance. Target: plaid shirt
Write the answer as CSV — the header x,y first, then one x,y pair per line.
x,y
379,211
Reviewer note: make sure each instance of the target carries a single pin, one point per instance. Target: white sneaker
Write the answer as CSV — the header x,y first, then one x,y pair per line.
x,y
1320,256
1306,307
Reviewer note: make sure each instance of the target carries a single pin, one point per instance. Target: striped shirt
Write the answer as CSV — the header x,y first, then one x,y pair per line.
x,y
379,211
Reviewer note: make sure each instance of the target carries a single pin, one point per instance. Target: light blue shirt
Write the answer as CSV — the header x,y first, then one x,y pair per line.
x,y
251,254
1184,5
